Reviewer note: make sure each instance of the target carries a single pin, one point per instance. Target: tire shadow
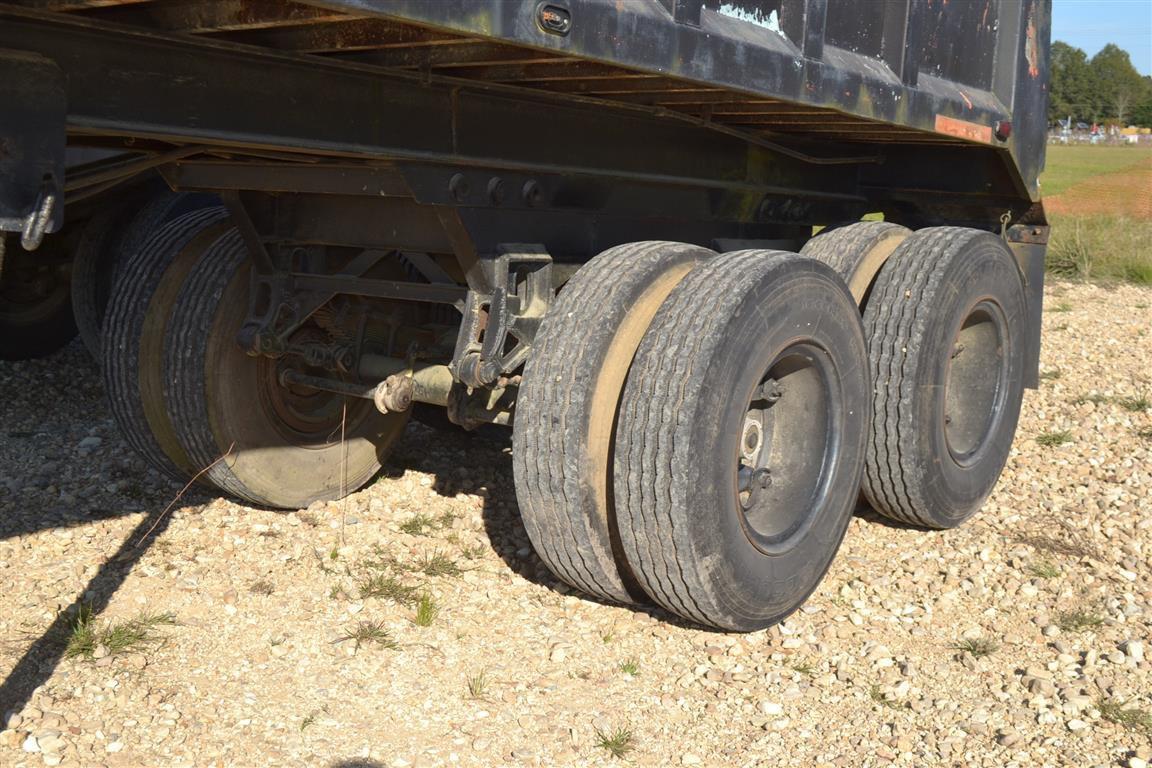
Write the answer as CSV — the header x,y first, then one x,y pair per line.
x,y
865,512
44,654
480,463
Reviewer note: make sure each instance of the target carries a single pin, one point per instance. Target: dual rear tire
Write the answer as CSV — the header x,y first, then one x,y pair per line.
x,y
758,403
633,468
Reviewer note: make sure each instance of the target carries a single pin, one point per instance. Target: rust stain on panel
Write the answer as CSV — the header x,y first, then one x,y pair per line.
x,y
962,129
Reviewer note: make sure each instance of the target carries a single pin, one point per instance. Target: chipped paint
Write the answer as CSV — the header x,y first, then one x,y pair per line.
x,y
754,16
1032,45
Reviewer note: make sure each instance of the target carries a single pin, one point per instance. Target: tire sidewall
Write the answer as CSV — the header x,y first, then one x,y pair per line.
x,y
985,272
757,588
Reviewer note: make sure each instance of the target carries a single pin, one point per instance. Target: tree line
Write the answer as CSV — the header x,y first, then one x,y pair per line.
x,y
1102,89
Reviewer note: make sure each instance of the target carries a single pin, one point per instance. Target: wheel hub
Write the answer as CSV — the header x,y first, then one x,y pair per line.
x,y
974,384
785,446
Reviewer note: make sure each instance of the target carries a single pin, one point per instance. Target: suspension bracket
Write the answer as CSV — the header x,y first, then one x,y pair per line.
x,y
502,314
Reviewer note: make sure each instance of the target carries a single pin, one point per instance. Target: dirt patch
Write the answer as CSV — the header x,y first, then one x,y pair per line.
x,y
1126,193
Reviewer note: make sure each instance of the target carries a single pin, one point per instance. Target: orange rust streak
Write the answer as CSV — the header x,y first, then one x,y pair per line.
x,y
962,129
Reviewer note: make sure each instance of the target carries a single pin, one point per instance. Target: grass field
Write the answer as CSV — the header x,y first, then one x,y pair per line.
x,y
1099,201
1070,165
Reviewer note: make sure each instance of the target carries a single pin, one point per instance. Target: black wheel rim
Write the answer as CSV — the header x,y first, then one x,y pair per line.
x,y
787,447
974,389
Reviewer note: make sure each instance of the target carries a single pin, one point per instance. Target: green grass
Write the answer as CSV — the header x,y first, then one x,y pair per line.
x,y
877,695
474,552
1067,166
977,647
1093,247
1078,620
86,636
1134,404
804,666
426,611
1050,375
369,633
1101,248
617,742
1044,570
437,564
1135,719
478,685
1095,399
418,524
1061,306
1054,439
421,524
630,667
387,587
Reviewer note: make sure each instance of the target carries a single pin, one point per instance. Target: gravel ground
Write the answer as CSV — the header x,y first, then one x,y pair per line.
x,y
223,637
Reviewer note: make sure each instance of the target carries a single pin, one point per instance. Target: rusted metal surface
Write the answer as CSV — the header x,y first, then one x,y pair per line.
x,y
203,16
343,35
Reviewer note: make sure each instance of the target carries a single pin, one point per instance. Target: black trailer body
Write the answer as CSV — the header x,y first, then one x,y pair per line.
x,y
402,196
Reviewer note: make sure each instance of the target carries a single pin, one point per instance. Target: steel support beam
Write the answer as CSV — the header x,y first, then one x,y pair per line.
x,y
143,84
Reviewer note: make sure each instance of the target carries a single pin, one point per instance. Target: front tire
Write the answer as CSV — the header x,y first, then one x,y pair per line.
x,y
111,239
139,309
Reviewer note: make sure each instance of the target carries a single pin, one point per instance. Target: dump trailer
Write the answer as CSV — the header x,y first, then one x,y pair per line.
x,y
725,268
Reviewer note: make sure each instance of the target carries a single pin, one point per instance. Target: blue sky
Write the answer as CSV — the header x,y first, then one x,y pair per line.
x,y
1092,24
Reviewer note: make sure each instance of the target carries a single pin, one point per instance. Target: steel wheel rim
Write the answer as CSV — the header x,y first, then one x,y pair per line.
x,y
787,447
975,382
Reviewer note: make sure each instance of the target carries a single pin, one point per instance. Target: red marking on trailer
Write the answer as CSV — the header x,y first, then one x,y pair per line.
x,y
962,129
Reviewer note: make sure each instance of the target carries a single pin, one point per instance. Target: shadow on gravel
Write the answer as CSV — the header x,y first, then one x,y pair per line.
x,y
62,461
360,763
38,663
486,471
865,512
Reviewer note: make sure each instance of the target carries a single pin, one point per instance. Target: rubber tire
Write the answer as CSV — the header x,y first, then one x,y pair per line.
x,y
709,345
32,332
566,408
108,241
132,358
920,298
857,251
215,401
